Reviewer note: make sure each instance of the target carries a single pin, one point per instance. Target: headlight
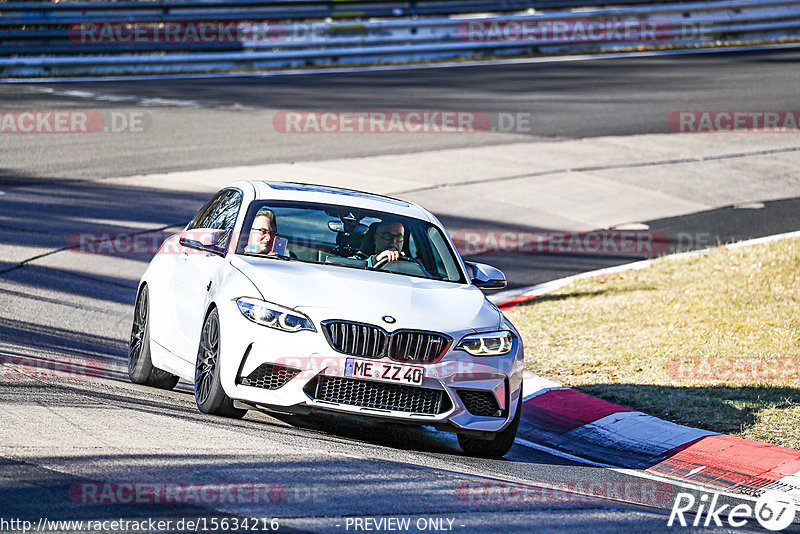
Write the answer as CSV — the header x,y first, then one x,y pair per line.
x,y
489,344
274,316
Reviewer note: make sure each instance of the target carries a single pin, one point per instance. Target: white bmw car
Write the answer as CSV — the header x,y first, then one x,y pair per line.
x,y
297,298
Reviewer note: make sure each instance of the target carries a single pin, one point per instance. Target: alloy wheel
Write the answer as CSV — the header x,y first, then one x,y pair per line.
x,y
207,359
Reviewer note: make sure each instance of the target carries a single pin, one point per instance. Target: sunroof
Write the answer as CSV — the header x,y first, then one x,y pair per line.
x,y
288,186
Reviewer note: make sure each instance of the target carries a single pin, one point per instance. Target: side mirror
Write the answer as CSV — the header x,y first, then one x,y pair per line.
x,y
212,238
205,239
486,277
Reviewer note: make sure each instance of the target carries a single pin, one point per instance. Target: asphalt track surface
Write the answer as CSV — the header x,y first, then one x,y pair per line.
x,y
223,122
61,433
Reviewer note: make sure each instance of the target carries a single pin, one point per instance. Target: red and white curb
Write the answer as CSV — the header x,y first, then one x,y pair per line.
x,y
577,426
573,425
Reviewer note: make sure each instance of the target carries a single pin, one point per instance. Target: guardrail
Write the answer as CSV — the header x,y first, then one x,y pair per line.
x,y
163,36
165,10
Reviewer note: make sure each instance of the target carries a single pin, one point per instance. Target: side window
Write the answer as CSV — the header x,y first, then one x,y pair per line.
x,y
419,247
445,263
206,212
412,246
225,214
220,213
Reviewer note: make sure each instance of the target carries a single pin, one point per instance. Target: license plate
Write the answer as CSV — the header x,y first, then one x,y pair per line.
x,y
384,372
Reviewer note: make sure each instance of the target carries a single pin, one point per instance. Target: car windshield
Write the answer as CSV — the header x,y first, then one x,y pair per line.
x,y
348,237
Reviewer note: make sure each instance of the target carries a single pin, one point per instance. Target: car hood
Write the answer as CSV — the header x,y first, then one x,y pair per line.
x,y
334,292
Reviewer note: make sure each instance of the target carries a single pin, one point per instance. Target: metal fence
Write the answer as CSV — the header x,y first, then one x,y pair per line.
x,y
158,36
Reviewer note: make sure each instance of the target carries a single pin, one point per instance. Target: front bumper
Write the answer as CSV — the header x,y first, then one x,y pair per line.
x,y
466,385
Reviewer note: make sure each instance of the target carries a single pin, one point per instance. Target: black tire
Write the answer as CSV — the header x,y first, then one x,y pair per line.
x,y
494,448
208,392
140,366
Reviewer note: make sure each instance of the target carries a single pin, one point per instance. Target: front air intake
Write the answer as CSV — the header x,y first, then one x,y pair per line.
x,y
482,403
268,376
370,341
379,395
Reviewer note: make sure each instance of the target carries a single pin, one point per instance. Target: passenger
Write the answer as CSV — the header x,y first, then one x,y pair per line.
x,y
262,233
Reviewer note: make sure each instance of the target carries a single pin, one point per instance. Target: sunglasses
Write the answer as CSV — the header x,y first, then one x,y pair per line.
x,y
264,231
386,236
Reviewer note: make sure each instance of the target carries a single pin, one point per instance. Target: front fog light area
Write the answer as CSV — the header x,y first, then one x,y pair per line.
x,y
488,344
274,316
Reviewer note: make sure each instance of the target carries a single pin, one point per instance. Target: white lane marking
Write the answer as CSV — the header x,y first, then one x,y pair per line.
x,y
116,98
631,226
749,206
347,70
77,94
168,102
696,470
148,102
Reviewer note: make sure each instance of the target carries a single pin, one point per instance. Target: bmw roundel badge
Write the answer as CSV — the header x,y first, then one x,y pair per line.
x,y
389,319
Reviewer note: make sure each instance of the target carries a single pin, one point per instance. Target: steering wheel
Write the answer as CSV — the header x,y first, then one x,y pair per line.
x,y
383,261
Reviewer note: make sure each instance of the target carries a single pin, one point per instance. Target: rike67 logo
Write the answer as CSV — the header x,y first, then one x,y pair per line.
x,y
774,510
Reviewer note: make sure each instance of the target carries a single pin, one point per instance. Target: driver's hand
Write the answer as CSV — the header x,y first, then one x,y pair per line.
x,y
259,248
389,255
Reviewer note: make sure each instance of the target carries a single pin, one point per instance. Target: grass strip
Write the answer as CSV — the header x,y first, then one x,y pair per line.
x,y
707,341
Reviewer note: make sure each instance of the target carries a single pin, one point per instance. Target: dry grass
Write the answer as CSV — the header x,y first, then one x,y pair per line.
x,y
707,341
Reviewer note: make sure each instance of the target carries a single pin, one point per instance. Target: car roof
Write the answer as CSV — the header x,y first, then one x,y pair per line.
x,y
323,194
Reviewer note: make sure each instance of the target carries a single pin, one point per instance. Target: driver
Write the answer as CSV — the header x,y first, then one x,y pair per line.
x,y
389,239
262,233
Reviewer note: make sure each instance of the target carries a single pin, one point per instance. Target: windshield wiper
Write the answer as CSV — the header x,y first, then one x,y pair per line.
x,y
272,257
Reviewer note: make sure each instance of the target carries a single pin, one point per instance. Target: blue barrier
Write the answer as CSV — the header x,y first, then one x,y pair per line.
x,y
62,38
